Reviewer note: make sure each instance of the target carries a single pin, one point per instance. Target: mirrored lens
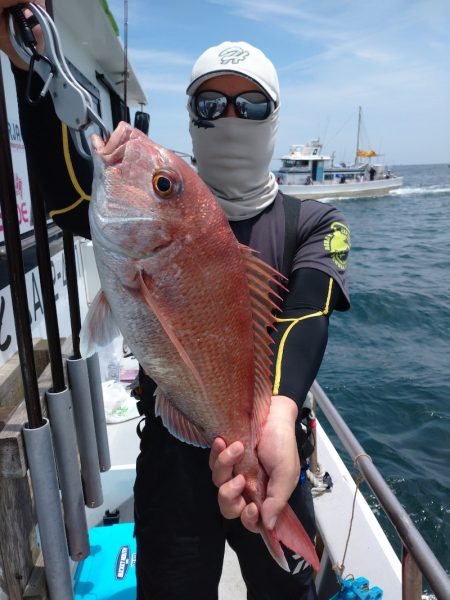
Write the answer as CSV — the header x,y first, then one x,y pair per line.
x,y
210,105
252,105
249,105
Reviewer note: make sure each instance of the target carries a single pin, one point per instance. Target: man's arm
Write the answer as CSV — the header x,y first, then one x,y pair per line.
x,y
302,332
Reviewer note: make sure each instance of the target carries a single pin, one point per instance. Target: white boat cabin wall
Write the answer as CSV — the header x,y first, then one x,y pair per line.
x,y
305,164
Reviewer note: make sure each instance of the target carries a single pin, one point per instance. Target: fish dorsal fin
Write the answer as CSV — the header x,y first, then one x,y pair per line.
x,y
262,280
99,328
178,425
145,285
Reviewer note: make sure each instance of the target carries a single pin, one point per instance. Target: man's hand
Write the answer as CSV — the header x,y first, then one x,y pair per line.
x,y
277,452
5,43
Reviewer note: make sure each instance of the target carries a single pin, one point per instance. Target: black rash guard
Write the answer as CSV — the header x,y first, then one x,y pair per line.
x,y
317,283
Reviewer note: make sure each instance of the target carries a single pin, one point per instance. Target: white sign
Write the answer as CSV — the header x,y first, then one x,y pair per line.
x,y
8,340
18,153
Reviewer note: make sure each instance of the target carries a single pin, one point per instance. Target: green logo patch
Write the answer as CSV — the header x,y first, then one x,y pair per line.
x,y
338,244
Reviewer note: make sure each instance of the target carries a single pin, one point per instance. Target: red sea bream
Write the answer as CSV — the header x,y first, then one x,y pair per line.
x,y
191,302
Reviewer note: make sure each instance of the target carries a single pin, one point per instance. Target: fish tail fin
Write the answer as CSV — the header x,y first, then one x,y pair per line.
x,y
291,532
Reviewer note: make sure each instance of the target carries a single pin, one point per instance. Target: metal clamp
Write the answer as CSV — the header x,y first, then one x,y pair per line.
x,y
73,104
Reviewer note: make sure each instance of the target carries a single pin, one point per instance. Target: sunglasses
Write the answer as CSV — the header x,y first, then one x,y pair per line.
x,y
211,105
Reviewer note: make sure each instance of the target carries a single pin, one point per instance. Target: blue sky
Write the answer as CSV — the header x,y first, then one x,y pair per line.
x,y
392,57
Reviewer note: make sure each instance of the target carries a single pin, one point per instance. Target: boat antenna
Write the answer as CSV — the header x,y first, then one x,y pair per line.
x,y
125,66
357,135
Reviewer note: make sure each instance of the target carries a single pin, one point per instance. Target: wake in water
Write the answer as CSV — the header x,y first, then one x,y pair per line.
x,y
431,189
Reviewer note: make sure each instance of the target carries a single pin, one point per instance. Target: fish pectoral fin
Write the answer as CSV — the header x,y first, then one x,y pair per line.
x,y
99,328
177,423
165,324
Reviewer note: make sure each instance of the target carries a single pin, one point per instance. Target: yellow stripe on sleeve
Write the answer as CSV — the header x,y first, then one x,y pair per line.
x,y
72,175
293,323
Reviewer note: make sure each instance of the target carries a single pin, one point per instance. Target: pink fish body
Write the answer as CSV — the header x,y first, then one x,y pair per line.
x,y
191,302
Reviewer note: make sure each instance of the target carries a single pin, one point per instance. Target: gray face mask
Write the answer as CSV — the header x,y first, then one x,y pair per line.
x,y
233,159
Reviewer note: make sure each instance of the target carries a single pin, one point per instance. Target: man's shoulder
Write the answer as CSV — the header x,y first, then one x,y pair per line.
x,y
315,211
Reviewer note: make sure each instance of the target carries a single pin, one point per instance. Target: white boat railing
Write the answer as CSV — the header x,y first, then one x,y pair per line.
x,y
417,557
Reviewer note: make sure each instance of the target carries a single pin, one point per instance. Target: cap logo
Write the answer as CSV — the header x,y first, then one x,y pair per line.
x,y
233,55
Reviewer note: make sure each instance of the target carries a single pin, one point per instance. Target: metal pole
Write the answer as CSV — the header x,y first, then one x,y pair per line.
x,y
357,135
84,422
41,461
428,564
66,452
98,409
411,577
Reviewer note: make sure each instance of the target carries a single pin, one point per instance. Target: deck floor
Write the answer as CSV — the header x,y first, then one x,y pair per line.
x,y
231,586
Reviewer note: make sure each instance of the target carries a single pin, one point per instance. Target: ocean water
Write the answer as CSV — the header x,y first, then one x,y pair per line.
x,y
387,364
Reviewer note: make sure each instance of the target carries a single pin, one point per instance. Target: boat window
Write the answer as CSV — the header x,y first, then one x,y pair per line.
x,y
117,104
87,84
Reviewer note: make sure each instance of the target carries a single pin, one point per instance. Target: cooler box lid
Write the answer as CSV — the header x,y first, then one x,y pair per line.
x,y
110,569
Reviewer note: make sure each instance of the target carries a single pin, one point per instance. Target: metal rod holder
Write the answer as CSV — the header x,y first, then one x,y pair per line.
x,y
98,408
41,461
84,423
66,452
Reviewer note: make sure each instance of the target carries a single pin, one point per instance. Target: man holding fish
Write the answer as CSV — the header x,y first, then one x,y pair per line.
x,y
194,304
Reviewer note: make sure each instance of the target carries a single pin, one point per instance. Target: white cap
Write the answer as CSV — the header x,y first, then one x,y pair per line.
x,y
239,58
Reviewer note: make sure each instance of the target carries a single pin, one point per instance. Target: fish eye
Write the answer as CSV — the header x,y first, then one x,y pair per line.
x,y
163,184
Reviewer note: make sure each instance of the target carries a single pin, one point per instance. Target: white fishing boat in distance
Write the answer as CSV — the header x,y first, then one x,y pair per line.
x,y
308,173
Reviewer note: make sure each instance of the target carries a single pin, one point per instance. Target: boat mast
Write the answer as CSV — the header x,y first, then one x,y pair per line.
x,y
357,136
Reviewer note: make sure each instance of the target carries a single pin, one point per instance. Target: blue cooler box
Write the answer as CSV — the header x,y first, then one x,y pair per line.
x,y
109,572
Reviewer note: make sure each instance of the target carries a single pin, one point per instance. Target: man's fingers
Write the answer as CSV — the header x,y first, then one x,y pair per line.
x,y
250,517
217,447
270,511
222,469
279,490
231,502
5,43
